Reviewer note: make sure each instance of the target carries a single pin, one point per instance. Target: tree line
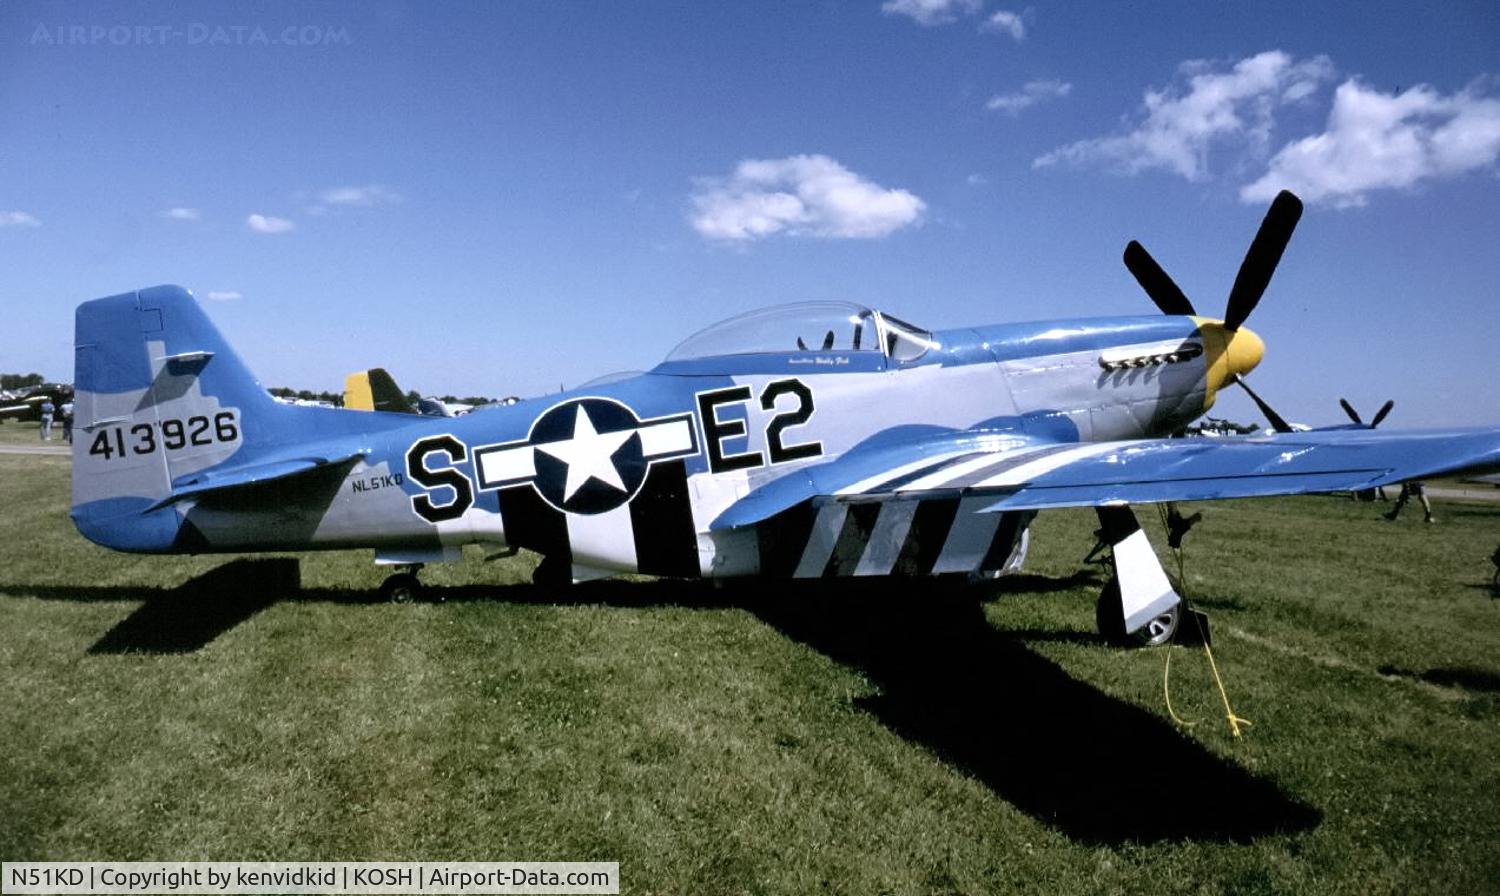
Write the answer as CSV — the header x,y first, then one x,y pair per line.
x,y
13,381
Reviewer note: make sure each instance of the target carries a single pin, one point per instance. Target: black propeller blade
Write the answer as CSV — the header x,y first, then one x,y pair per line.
x,y
1379,415
1160,287
1260,262
1275,419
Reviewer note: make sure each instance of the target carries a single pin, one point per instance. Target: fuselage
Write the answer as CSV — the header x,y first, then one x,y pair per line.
x,y
629,474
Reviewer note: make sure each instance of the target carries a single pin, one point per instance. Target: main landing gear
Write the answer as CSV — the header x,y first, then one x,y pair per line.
x,y
1138,605
402,587
1109,617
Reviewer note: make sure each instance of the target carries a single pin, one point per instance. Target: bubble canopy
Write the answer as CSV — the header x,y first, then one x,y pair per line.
x,y
833,327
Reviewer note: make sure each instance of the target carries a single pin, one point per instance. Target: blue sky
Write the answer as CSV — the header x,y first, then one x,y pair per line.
x,y
505,198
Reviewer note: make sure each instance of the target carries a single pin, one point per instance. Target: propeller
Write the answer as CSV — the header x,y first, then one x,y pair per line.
x,y
1260,262
1379,415
1277,422
1167,296
1249,286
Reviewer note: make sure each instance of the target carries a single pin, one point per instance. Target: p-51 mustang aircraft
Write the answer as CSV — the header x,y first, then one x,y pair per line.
x,y
805,441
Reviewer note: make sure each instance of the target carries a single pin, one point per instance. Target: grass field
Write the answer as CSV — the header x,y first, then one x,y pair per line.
x,y
858,738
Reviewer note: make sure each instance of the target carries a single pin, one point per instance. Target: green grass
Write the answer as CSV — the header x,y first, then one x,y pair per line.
x,y
19,432
865,737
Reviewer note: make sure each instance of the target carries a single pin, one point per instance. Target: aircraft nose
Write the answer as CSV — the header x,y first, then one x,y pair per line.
x,y
1244,351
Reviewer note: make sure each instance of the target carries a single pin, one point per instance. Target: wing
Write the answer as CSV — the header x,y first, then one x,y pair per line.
x,y
1029,474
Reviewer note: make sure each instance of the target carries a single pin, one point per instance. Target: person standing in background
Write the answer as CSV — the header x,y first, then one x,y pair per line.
x,y
1409,490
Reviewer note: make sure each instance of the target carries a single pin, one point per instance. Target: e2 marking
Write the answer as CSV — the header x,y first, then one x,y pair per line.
x,y
717,430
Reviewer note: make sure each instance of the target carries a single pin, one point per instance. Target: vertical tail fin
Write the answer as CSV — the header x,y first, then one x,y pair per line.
x,y
160,395
375,390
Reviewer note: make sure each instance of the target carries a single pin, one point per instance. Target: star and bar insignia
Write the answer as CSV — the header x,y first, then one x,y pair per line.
x,y
588,455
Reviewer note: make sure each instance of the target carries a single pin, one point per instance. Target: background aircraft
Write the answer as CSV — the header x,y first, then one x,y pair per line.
x,y
376,390
805,441
26,404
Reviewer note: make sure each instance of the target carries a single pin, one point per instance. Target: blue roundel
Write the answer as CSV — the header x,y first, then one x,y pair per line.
x,y
588,455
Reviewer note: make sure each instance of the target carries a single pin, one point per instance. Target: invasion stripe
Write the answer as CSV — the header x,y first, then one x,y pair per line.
x,y
822,540
887,479
602,537
532,523
782,538
1012,523
1027,472
666,542
885,542
969,540
1000,465
946,477
859,523
925,537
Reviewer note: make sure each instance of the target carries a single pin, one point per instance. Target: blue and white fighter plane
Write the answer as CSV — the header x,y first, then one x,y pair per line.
x,y
798,442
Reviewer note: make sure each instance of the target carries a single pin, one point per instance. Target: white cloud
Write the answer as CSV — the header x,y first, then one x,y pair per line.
x,y
268,224
1006,23
225,295
1030,94
1181,123
800,196
368,195
18,219
1380,141
931,12
180,213
976,180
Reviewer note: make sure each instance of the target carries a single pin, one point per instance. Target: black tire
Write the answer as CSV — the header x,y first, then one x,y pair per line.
x,y
401,588
1109,614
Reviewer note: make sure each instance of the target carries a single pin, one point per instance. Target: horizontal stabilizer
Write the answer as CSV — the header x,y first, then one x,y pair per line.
x,y
225,479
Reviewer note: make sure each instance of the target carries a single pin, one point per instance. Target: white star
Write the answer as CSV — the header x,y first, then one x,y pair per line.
x,y
588,454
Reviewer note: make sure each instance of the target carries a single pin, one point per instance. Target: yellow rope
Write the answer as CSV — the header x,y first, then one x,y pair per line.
x,y
1234,721
1166,691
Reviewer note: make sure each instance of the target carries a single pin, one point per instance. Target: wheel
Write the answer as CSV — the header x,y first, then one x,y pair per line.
x,y
1109,616
401,588
553,572
1161,629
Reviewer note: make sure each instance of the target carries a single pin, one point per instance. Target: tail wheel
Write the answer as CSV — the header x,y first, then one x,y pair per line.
x,y
401,588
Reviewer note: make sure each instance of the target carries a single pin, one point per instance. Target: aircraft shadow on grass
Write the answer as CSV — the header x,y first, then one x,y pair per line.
x,y
188,617
185,618
1464,678
1100,770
